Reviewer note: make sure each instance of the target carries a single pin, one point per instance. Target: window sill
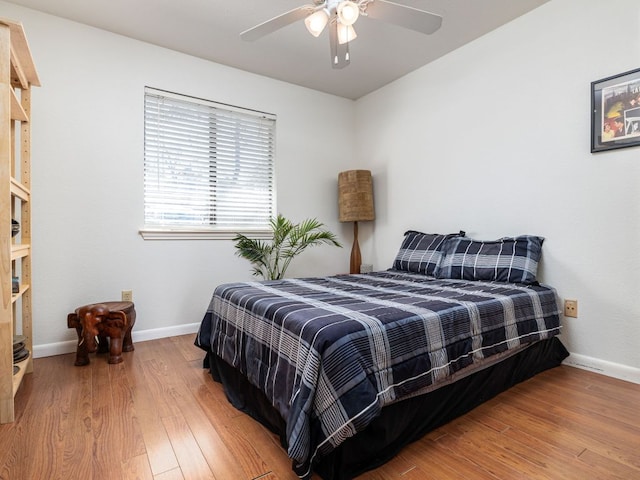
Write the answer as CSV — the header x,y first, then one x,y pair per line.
x,y
204,234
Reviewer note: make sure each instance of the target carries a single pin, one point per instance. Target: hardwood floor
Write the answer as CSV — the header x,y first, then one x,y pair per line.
x,y
159,416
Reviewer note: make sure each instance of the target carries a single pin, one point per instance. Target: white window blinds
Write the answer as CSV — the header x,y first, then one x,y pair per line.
x,y
207,166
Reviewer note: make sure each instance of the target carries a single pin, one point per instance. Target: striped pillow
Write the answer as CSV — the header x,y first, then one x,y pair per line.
x,y
421,252
510,259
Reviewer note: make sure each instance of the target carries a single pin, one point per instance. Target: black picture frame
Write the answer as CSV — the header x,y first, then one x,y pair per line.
x,y
615,112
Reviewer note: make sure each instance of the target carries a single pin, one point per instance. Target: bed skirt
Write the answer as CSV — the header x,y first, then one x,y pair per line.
x,y
401,423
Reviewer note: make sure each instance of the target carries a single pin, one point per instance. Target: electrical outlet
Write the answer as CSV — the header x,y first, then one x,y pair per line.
x,y
127,295
571,308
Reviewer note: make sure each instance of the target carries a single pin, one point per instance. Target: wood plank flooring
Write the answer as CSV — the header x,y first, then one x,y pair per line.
x,y
159,416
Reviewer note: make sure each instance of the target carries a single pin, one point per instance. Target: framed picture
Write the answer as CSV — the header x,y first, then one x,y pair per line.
x,y
615,112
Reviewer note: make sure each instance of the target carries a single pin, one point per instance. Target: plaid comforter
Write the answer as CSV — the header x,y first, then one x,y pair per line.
x,y
330,352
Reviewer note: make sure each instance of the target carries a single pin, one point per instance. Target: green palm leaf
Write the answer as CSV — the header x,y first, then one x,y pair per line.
x,y
270,260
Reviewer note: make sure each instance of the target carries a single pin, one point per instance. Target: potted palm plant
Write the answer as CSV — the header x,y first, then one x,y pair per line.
x,y
270,259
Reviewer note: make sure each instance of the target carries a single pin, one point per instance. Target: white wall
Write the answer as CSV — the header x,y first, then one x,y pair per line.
x,y
494,139
87,177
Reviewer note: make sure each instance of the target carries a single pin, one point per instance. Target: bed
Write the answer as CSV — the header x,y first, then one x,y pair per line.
x,y
348,369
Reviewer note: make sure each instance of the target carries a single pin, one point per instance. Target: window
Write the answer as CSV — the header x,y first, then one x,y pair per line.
x,y
208,168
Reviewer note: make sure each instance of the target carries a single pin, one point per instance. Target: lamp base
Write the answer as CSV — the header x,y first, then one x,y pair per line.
x,y
356,257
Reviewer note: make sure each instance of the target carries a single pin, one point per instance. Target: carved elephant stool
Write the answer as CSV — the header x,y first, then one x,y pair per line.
x,y
96,322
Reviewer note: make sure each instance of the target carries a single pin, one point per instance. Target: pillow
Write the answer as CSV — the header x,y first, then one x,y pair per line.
x,y
510,259
421,252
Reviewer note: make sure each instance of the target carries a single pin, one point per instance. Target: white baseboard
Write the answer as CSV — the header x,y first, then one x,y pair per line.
x,y
60,348
610,369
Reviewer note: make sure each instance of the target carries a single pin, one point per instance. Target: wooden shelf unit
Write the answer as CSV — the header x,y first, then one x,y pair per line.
x,y
17,76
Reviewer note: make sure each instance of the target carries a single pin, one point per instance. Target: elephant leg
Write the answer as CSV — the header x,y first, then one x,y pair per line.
x,y
82,354
103,345
127,345
115,350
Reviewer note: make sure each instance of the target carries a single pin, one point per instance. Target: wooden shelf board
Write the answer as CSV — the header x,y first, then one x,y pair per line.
x,y
18,78
16,296
23,58
17,378
17,112
19,190
20,251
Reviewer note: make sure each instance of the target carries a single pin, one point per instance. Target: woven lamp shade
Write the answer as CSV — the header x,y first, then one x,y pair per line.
x,y
355,196
355,204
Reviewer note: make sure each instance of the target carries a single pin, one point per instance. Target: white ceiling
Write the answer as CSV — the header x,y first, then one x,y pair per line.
x,y
210,29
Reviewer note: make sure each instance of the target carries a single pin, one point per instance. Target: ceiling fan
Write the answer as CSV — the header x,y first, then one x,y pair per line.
x,y
340,15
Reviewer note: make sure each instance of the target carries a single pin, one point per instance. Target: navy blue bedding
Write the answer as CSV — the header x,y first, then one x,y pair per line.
x,y
330,352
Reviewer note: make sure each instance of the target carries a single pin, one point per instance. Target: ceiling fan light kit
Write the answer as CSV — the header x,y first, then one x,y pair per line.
x,y
316,22
348,12
340,15
346,33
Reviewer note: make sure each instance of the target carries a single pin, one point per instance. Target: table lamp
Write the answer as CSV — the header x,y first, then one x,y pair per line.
x,y
355,204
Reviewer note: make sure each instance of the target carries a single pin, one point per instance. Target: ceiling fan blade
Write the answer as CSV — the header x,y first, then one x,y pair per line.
x,y
339,53
404,16
277,23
